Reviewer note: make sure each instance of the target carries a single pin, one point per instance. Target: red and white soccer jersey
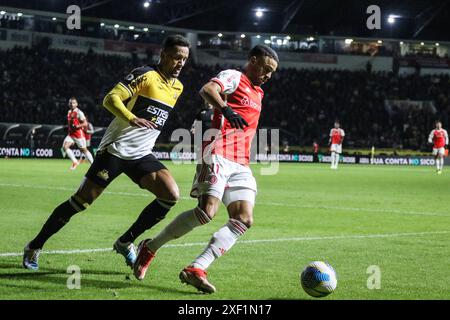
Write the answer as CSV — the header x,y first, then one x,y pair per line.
x,y
75,135
74,119
336,135
224,172
245,99
439,139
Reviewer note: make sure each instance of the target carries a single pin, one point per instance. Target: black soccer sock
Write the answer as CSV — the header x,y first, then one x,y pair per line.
x,y
151,215
58,219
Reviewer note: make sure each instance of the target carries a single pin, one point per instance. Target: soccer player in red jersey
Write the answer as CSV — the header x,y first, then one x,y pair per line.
x,y
76,122
336,138
88,130
224,174
439,138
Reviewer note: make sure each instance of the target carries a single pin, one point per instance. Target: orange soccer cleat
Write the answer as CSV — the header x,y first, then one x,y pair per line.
x,y
143,260
197,277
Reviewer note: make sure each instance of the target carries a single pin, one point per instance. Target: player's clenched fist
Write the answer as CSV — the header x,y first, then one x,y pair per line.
x,y
234,118
142,123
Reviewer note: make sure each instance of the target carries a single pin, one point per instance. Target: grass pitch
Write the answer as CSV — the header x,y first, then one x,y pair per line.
x,y
394,218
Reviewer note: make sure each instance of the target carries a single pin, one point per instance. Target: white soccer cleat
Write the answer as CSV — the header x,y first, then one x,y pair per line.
x,y
31,258
127,250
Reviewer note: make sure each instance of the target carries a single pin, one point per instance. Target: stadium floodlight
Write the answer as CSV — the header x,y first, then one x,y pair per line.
x,y
379,41
19,14
102,24
259,13
258,36
348,41
145,29
288,38
310,39
131,27
2,12
392,18
437,44
422,44
136,36
220,35
401,42
146,4
116,26
267,41
242,36
54,18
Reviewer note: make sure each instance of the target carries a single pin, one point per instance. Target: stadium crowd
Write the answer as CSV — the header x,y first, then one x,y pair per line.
x,y
35,85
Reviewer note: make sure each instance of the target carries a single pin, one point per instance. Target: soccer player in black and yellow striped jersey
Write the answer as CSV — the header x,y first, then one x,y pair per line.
x,y
141,103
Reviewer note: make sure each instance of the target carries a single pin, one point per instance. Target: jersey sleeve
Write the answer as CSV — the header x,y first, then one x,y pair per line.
x,y
131,85
136,80
228,80
342,132
446,137
81,115
331,132
430,137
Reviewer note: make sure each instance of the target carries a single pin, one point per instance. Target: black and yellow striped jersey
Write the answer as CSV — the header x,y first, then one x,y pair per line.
x,y
144,93
152,96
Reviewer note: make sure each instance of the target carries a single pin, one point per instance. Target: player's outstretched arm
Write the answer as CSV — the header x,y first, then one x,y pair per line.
x,y
210,92
430,137
113,102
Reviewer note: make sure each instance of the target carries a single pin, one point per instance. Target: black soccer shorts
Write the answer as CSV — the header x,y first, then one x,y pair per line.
x,y
106,167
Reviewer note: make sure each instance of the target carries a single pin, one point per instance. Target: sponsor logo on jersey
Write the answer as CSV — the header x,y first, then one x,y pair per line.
x,y
129,77
136,82
159,116
250,103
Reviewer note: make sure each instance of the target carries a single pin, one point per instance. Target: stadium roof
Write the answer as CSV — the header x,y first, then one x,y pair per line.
x,y
414,19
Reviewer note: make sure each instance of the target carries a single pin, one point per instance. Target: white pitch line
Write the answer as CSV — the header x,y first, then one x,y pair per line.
x,y
303,206
256,241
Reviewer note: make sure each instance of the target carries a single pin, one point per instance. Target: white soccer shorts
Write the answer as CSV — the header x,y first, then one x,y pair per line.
x,y
225,180
439,151
81,142
336,148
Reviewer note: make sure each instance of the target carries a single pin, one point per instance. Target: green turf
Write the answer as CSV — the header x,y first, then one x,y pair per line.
x,y
397,218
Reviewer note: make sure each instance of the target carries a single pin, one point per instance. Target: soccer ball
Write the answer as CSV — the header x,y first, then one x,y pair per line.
x,y
318,279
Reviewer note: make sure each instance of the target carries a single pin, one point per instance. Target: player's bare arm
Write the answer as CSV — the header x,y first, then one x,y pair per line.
x,y
210,92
